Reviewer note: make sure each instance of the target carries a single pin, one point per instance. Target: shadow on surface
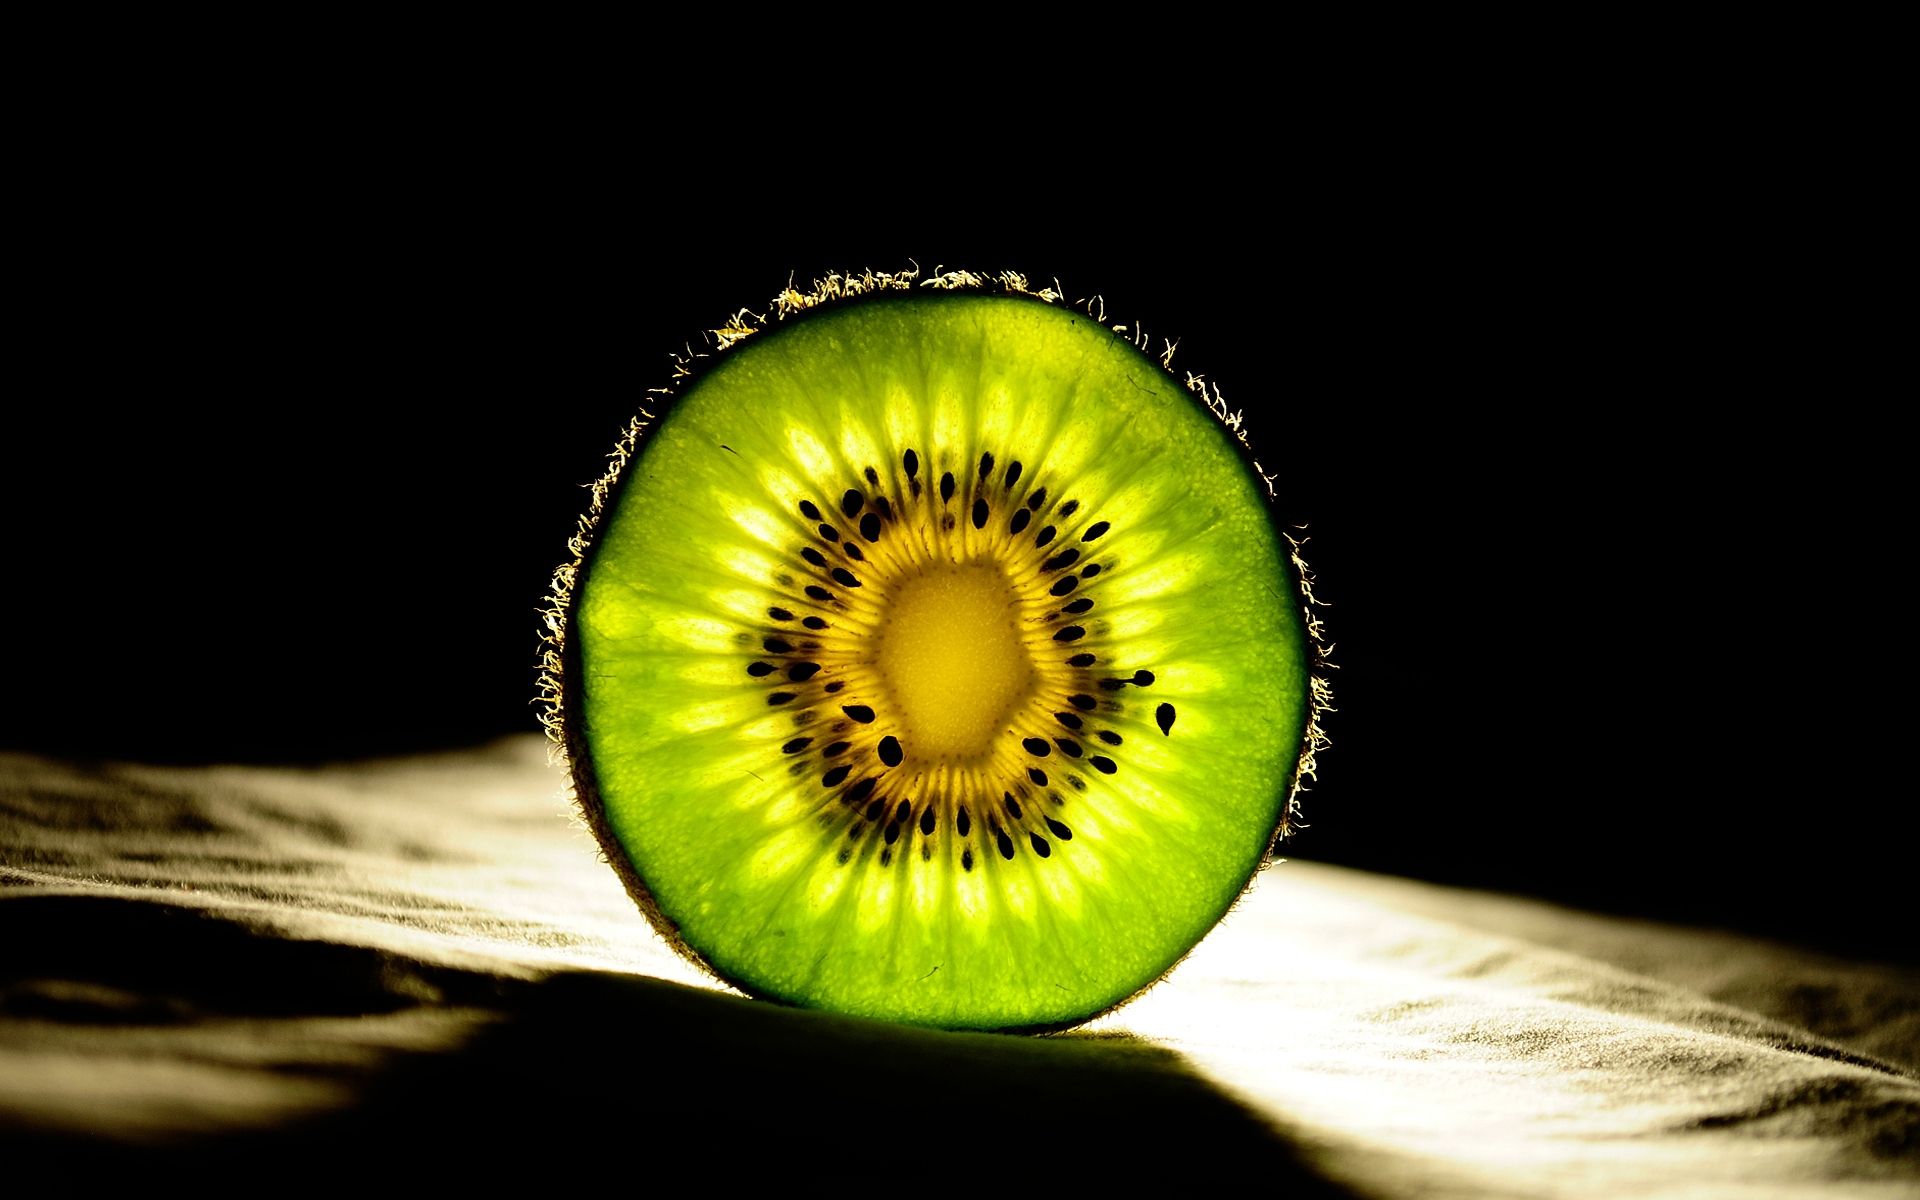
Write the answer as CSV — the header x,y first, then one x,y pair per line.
x,y
580,1070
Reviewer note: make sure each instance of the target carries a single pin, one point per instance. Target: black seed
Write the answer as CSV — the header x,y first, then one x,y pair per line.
x,y
808,511
946,487
830,533
1109,737
1102,764
926,821
1113,685
813,622
1062,587
860,791
979,514
875,809
852,502
834,777
1068,747
947,521
1005,843
913,485
846,853
780,614
1040,846
779,698
813,556
903,812
1013,806
911,462
1065,558
966,860
835,686
853,551
1069,508
1013,473
1081,660
1038,776
870,527
1163,717
1020,518
796,745
1044,536
1071,633
886,852
1079,606
818,593
758,669
1070,720
963,823
1095,530
890,753
886,507
873,477
1060,830
836,749
1037,747
1142,678
776,645
892,833
858,712
801,672
1090,571
1038,498
844,577
1082,702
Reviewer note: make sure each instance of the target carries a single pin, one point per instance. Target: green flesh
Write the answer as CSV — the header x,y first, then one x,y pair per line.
x,y
807,884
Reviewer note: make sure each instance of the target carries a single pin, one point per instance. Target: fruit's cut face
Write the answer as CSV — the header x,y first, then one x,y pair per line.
x,y
935,658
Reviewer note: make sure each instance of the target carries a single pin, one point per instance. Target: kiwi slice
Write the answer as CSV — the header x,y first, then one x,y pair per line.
x,y
932,655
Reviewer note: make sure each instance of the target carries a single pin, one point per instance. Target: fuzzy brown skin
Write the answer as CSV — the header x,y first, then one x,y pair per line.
x,y
565,721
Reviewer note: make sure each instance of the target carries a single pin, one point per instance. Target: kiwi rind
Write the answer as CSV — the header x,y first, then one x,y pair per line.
x,y
561,713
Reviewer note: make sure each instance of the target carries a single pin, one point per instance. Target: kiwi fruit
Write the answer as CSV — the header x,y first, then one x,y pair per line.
x,y
930,653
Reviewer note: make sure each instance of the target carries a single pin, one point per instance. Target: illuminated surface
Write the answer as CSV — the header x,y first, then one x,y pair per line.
x,y
1405,1039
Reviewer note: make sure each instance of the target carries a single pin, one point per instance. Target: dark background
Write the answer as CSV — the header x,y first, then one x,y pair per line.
x,y
313,429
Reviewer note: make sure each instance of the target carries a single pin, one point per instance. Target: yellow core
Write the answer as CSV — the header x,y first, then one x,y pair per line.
x,y
951,653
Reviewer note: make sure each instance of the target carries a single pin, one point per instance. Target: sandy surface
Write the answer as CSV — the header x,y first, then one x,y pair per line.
x,y
421,969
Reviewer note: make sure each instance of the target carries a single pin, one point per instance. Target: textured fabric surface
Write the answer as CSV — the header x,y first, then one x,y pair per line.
x,y
420,969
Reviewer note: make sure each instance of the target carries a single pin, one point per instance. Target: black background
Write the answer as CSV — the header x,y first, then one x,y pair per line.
x,y
313,430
